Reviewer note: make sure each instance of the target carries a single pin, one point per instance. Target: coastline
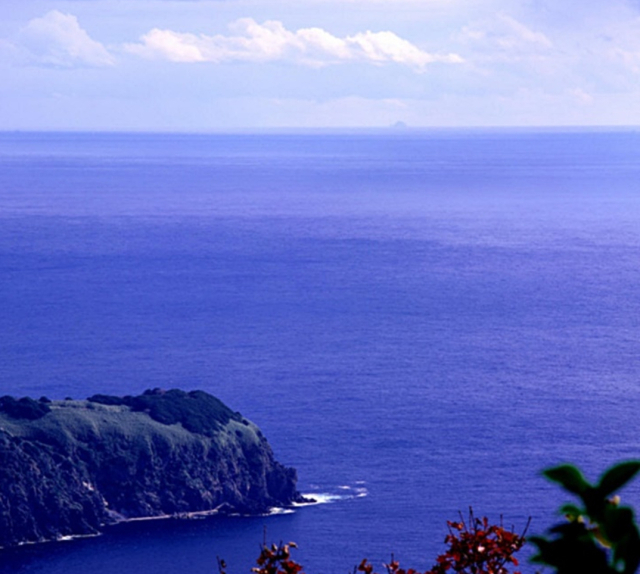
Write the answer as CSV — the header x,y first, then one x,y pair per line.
x,y
222,510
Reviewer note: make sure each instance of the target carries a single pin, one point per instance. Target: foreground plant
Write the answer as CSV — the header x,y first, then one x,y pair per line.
x,y
274,559
600,536
475,547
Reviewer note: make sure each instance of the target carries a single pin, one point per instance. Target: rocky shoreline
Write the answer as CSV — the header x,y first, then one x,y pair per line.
x,y
70,468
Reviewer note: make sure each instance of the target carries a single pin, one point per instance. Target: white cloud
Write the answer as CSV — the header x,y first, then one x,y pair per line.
x,y
505,35
629,59
581,96
619,43
57,40
270,41
168,45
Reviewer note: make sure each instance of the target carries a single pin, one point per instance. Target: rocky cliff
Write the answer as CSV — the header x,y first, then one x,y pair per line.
x,y
72,467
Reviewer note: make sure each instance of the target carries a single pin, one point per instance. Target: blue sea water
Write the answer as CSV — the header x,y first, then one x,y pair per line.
x,y
418,321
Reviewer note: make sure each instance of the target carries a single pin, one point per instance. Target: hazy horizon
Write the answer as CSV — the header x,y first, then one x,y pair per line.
x,y
211,65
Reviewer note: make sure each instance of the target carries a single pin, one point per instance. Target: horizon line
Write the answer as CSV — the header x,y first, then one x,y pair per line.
x,y
387,130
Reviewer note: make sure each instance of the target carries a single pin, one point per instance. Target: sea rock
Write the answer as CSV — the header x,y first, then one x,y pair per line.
x,y
72,467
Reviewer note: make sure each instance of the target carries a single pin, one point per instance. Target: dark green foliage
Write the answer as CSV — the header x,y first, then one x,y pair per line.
x,y
617,476
601,536
24,408
197,411
106,400
569,477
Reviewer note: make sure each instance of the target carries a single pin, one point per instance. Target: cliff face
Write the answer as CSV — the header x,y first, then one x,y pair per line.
x,y
83,464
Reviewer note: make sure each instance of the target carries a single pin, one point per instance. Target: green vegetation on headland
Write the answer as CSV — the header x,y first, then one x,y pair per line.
x,y
72,467
196,411
24,408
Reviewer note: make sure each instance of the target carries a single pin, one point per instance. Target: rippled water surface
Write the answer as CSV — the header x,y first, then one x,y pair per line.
x,y
417,321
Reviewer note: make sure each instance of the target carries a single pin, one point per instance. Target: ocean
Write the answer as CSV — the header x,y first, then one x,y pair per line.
x,y
419,321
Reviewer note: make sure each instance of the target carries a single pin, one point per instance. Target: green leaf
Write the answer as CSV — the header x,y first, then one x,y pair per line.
x,y
617,476
571,511
569,477
618,523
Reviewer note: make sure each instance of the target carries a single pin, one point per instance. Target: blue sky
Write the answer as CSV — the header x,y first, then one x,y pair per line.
x,y
226,64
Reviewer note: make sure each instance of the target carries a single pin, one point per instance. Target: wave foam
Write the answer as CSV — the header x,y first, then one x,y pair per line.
x,y
348,492
278,510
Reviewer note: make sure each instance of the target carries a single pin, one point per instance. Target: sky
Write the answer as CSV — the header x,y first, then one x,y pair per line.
x,y
216,65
